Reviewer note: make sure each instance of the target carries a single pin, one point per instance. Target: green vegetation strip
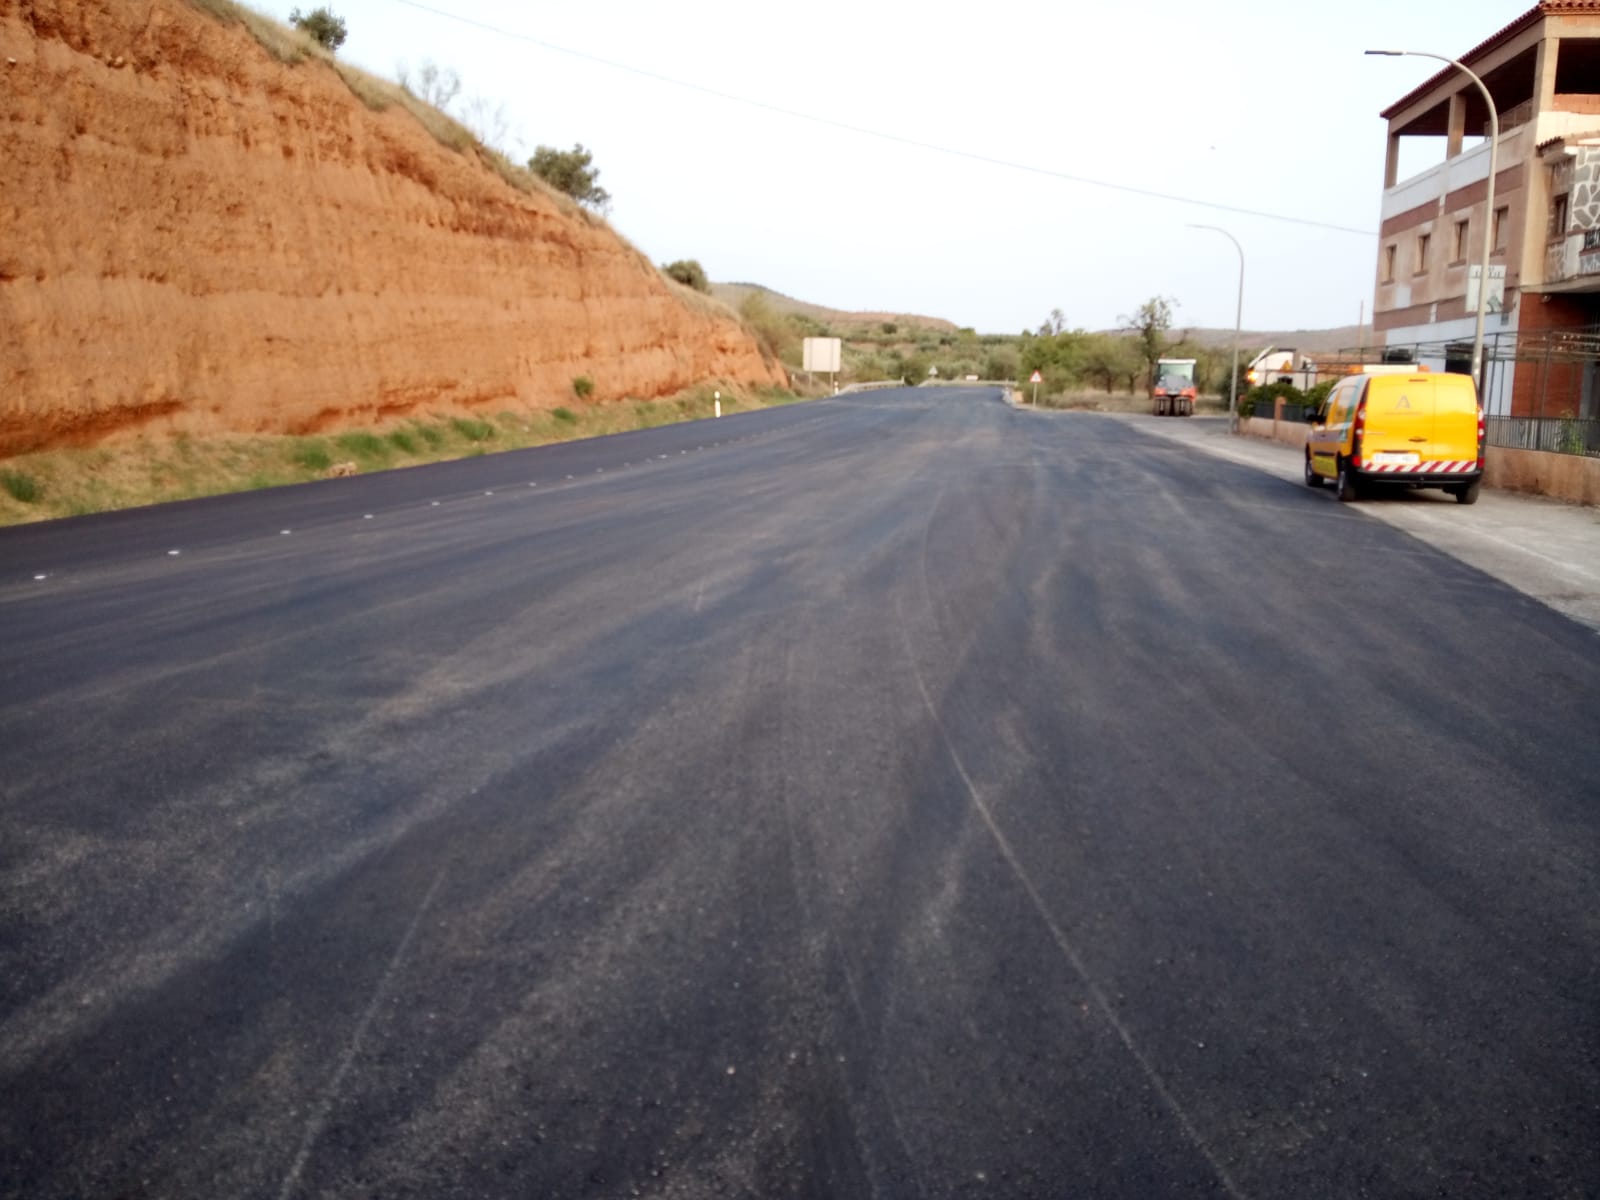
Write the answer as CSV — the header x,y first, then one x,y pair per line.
x,y
64,483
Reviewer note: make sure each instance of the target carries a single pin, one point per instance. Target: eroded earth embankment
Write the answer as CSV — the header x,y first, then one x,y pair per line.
x,y
201,238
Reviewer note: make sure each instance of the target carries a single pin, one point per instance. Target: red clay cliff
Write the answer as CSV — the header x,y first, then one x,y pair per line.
x,y
196,237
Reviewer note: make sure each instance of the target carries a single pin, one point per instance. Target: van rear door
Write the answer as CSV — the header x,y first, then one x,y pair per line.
x,y
1400,422
1455,420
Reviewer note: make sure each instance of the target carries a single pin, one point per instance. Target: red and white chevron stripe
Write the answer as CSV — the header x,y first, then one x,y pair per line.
x,y
1442,466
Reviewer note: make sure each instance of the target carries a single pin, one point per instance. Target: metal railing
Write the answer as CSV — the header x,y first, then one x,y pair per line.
x,y
1550,380
1556,435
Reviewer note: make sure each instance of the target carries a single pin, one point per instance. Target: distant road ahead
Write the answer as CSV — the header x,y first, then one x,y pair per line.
x,y
895,795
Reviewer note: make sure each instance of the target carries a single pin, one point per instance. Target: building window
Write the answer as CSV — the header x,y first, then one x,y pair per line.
x,y
1558,218
1458,249
1502,228
1388,263
1424,240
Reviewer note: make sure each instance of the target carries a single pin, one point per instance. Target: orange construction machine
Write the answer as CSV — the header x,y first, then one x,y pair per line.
x,y
1172,388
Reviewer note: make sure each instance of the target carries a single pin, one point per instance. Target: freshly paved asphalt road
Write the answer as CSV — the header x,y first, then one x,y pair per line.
x,y
898,795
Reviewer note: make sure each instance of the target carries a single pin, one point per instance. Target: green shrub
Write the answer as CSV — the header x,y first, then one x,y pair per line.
x,y
1569,434
322,25
361,444
431,434
777,335
565,415
688,272
312,456
583,387
473,431
571,171
21,486
1263,398
403,442
1001,364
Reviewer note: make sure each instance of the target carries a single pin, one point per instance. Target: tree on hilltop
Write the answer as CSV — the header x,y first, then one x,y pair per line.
x,y
570,171
325,28
688,272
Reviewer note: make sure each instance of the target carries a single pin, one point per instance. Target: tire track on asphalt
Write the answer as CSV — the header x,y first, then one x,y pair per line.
x,y
830,946
330,1094
1057,933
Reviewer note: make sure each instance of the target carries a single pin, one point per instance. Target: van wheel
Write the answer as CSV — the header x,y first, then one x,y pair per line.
x,y
1345,486
1467,493
1313,480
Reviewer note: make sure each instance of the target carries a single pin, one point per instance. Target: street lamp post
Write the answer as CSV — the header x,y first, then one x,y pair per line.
x,y
1238,318
1488,205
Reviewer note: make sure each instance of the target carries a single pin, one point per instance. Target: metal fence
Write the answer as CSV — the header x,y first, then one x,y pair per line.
x,y
1558,435
1550,379
1544,390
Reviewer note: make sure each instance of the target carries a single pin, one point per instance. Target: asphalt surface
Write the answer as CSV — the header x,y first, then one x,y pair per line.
x,y
1543,547
896,795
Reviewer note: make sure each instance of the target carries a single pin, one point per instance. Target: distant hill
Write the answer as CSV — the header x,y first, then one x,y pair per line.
x,y
1251,341
735,294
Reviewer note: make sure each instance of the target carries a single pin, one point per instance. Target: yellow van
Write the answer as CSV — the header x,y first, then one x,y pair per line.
x,y
1408,429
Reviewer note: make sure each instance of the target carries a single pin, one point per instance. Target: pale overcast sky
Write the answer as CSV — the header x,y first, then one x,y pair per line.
x,y
1247,104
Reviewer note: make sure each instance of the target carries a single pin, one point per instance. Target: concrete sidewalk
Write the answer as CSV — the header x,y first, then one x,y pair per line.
x,y
1543,548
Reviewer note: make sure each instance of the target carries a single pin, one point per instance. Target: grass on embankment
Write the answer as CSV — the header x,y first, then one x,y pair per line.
x,y
152,470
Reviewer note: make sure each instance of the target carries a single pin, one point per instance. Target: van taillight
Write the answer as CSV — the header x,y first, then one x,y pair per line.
x,y
1481,439
1361,429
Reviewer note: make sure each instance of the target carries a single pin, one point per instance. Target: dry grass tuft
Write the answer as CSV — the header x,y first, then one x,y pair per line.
x,y
699,301
283,42
292,47
377,94
444,128
520,178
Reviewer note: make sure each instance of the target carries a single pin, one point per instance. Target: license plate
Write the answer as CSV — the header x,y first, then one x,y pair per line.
x,y
1395,458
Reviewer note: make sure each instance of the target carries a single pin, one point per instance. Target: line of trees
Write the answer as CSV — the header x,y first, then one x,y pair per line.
x,y
1069,360
912,354
1124,360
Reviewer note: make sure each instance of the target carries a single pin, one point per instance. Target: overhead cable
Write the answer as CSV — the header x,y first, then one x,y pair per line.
x,y
881,135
